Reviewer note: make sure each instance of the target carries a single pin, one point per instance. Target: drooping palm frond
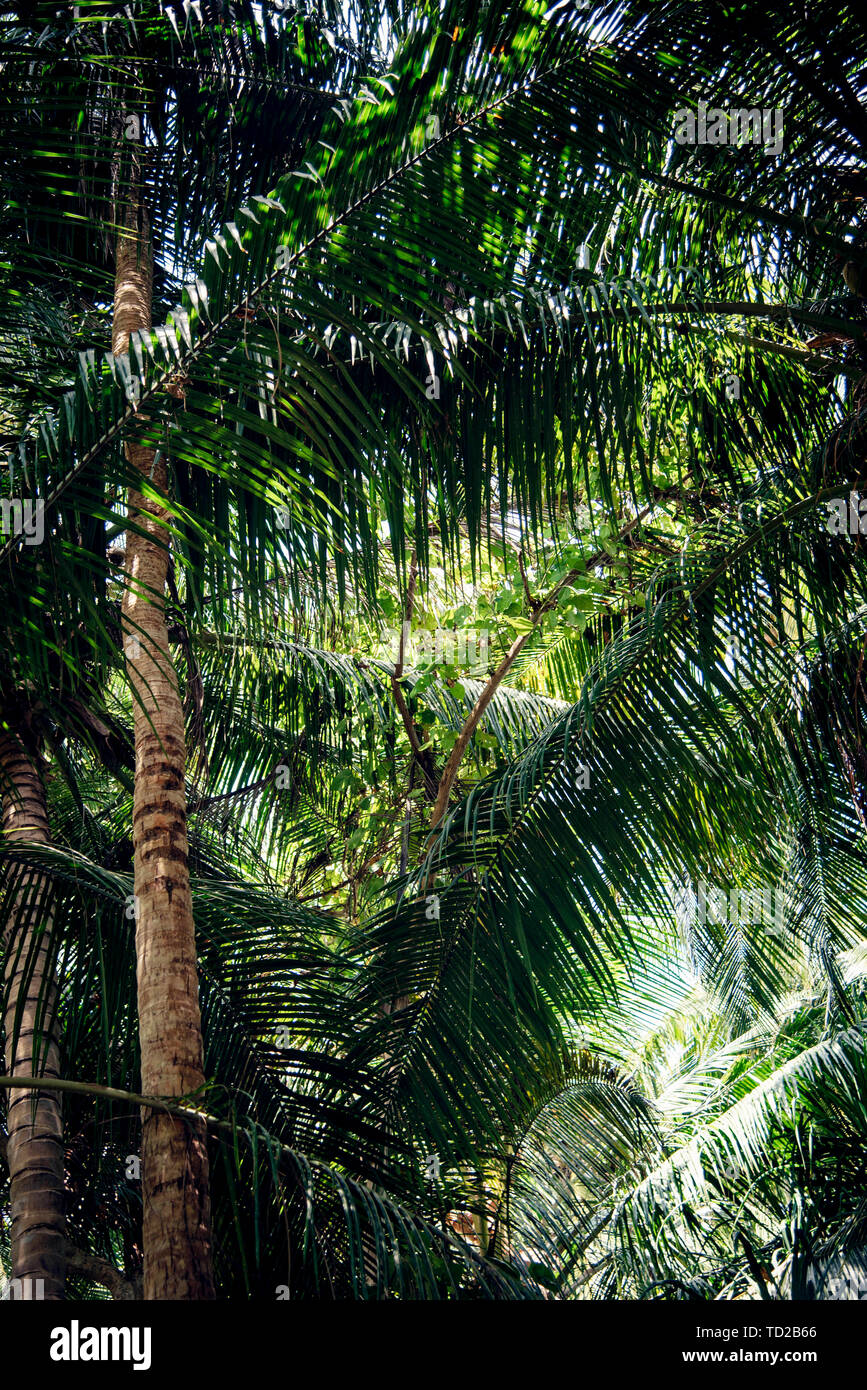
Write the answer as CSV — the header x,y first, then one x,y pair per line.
x,y
431,317
702,1196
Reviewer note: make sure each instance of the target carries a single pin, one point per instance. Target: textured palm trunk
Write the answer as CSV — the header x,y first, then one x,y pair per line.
x,y
175,1187
34,1148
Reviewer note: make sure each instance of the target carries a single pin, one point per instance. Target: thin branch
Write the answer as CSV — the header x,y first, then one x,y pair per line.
x,y
100,1271
412,732
407,614
795,354
403,711
532,603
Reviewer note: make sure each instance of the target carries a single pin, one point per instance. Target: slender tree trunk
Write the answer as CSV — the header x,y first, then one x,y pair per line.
x,y
175,1185
34,1151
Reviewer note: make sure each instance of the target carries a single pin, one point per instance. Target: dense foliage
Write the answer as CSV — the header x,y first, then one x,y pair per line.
x,y
522,665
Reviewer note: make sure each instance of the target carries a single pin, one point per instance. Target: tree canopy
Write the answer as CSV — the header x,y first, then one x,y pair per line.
x,y
433,625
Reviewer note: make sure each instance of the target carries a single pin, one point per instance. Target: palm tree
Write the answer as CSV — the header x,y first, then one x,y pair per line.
x,y
275,994
556,871
102,103
176,1200
132,294
34,1144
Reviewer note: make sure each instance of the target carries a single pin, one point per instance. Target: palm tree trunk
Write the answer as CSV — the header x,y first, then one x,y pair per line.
x,y
34,1149
175,1183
